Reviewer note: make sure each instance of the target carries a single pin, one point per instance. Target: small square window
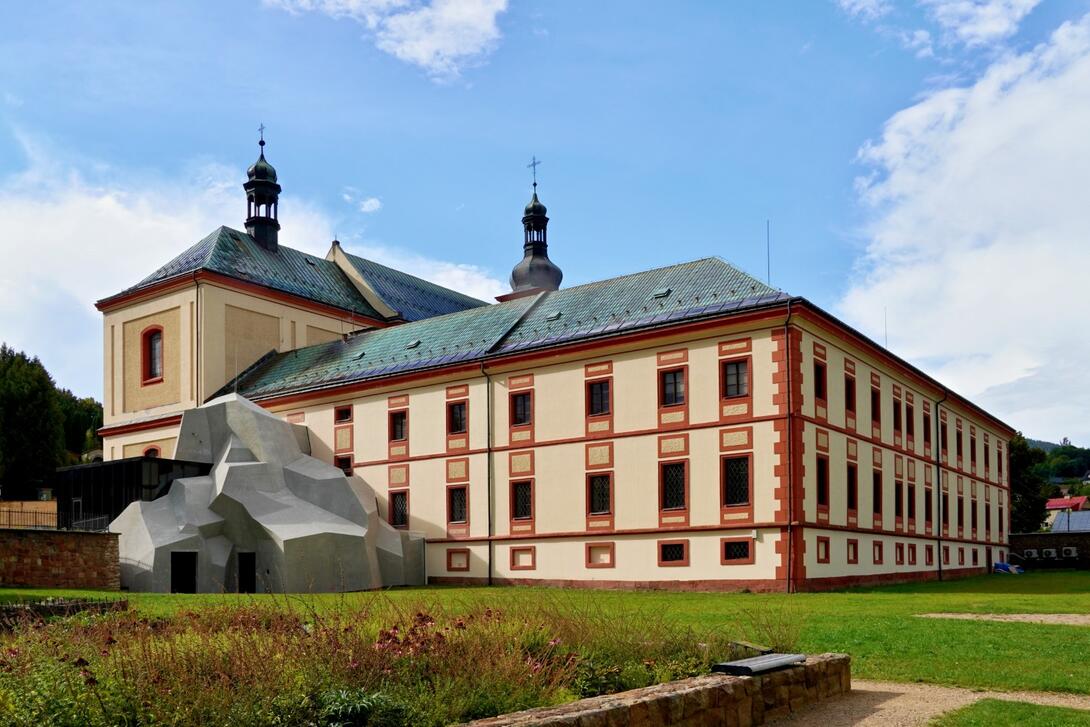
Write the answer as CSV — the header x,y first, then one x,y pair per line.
x,y
342,414
344,464
674,553
737,550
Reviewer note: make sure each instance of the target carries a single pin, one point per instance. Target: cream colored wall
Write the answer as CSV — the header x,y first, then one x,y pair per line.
x,y
165,444
133,444
838,548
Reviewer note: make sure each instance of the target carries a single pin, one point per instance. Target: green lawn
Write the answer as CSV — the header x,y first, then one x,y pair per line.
x,y
876,626
998,713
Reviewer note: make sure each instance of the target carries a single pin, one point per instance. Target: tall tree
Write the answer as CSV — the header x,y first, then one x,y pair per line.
x,y
31,424
1029,489
82,418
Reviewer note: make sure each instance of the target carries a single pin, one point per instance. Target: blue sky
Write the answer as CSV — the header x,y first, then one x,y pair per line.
x,y
885,141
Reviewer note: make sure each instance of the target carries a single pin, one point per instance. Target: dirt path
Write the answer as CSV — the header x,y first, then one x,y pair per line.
x,y
892,704
1064,619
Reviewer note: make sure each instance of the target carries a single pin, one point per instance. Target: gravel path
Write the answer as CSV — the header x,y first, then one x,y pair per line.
x,y
892,704
1064,619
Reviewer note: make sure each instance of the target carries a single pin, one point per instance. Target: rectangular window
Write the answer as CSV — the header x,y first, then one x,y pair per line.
x,y
972,452
735,481
822,481
944,505
819,381
898,498
876,492
598,398
987,519
456,417
976,556
822,550
344,464
999,465
910,420
399,508
522,501
735,379
944,440
1001,521
673,485
912,554
877,553
521,409
897,416
928,506
899,553
853,551
961,512
397,426
342,414
927,429
911,502
849,394
853,487
876,407
735,551
457,505
600,495
946,555
972,513
987,456
959,444
961,556
672,387
674,552
929,555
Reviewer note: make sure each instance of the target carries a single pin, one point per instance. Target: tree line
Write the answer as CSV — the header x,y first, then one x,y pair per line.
x,y
42,427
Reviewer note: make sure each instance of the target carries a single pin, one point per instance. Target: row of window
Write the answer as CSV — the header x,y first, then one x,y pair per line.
x,y
901,503
904,420
904,553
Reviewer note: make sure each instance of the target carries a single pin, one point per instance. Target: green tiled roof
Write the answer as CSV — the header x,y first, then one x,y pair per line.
x,y
700,289
237,255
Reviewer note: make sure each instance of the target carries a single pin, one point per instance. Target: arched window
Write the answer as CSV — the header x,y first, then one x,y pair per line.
x,y
152,354
151,452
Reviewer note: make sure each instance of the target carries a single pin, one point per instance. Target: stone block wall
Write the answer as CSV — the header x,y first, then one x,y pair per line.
x,y
708,701
59,559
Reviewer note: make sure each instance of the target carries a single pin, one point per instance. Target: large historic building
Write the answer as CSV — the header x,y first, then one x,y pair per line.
x,y
685,427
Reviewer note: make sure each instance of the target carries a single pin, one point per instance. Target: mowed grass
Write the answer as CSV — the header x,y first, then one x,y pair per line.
x,y
878,627
998,713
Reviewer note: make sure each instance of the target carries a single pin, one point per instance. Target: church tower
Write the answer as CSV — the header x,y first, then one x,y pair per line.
x,y
262,195
535,272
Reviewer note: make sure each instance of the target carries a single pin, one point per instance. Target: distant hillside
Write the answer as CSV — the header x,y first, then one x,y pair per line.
x,y
1041,444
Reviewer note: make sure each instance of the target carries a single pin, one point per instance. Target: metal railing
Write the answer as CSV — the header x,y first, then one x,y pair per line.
x,y
28,520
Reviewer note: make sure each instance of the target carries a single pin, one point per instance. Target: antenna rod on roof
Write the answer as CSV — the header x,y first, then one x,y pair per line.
x,y
768,251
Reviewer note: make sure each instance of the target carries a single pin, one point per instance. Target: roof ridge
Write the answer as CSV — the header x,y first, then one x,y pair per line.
x,y
416,277
653,270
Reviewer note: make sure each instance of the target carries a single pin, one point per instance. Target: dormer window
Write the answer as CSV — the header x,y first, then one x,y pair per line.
x,y
152,355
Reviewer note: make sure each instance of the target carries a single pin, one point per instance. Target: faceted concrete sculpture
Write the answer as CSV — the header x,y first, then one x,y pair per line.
x,y
268,517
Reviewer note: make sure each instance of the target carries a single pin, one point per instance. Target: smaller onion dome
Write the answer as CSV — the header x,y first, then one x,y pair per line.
x,y
261,169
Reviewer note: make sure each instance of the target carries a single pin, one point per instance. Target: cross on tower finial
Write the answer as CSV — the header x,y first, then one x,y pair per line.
x,y
261,130
534,161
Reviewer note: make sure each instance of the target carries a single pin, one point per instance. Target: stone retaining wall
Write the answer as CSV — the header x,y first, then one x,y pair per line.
x,y
59,559
707,701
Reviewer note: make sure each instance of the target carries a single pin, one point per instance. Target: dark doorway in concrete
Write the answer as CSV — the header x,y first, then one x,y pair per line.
x,y
247,572
183,572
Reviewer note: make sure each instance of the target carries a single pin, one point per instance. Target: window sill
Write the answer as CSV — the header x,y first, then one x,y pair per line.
x,y
152,382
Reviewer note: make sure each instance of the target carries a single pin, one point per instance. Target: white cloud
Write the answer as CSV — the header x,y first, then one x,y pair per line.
x,y
369,205
866,9
979,22
469,279
980,204
440,36
73,231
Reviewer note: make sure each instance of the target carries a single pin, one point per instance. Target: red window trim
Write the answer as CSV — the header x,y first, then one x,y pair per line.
x,y
877,552
822,541
338,409
391,442
600,544
145,359
600,522
749,560
390,507
730,513
343,462
672,563
525,431
457,529
823,510
821,401
929,555
724,400
679,511
852,545
456,441
665,410
455,551
158,451
521,525
912,554
595,422
516,549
